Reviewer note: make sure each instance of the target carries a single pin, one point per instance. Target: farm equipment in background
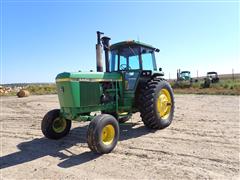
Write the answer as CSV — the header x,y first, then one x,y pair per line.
x,y
184,75
212,77
184,79
131,83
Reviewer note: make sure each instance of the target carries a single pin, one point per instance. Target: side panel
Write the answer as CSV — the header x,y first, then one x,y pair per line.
x,y
76,94
68,93
79,97
89,93
81,93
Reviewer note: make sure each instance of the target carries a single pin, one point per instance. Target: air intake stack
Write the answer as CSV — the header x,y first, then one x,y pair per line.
x,y
105,42
99,52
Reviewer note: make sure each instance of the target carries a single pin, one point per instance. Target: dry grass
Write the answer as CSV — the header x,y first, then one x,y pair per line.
x,y
223,87
35,89
42,89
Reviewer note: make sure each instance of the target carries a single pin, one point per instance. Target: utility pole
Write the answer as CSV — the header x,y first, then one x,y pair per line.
x,y
197,74
169,76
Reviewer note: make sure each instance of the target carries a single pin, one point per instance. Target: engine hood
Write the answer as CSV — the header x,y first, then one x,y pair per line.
x,y
89,76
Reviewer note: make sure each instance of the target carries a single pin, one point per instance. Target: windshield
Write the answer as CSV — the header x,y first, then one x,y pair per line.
x,y
211,75
128,59
148,59
185,74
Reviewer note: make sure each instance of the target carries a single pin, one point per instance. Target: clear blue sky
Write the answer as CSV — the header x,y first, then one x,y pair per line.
x,y
43,38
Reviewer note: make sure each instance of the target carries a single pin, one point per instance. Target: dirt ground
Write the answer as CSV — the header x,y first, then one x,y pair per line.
x,y
201,143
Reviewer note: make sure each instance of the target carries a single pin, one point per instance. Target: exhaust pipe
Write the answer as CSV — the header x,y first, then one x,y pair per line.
x,y
99,52
105,42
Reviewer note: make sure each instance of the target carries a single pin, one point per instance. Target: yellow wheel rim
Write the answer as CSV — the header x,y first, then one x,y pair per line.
x,y
59,125
108,134
164,103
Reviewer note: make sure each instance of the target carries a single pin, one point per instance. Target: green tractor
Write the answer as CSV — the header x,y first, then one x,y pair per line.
x,y
185,76
131,83
184,79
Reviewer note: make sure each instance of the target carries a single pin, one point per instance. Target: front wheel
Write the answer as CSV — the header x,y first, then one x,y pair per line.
x,y
55,127
103,134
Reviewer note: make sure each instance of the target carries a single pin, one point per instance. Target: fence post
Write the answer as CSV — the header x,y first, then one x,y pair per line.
x,y
233,74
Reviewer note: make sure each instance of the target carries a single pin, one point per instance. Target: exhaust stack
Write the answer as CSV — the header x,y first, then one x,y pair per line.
x,y
99,52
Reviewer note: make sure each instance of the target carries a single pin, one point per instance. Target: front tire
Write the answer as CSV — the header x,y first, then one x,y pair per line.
x,y
157,104
55,127
103,134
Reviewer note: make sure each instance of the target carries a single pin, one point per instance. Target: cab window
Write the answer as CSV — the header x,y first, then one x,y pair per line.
x,y
148,60
128,58
134,62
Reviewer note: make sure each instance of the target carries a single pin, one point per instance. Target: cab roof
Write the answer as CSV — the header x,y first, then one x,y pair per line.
x,y
132,43
212,72
185,72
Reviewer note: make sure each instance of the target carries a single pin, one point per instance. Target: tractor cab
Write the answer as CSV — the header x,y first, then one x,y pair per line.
x,y
213,76
132,55
185,75
134,60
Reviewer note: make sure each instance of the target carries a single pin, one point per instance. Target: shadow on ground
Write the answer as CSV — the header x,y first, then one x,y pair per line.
x,y
40,147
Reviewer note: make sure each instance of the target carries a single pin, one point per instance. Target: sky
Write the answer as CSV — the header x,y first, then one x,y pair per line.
x,y
40,39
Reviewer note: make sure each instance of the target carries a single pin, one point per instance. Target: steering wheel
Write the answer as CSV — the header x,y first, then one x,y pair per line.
x,y
124,67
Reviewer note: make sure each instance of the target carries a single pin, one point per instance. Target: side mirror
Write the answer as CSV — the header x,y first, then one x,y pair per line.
x,y
160,69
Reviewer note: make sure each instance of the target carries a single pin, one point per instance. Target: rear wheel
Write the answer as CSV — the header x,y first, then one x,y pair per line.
x,y
157,104
55,127
103,134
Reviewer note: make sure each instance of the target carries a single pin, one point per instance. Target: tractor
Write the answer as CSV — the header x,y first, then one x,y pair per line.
x,y
184,76
131,83
213,77
184,79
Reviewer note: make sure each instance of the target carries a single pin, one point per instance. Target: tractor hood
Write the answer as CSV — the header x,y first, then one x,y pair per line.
x,y
89,76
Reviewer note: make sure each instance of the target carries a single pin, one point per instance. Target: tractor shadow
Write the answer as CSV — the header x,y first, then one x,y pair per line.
x,y
41,147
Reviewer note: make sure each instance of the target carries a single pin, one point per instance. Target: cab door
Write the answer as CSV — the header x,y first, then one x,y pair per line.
x,y
130,68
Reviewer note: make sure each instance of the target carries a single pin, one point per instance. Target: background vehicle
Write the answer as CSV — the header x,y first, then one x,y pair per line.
x,y
213,76
184,75
184,79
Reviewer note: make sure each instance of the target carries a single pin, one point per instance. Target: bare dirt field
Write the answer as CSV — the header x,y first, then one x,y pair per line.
x,y
201,143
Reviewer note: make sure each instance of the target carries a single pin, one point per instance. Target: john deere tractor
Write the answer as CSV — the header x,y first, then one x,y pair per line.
x,y
184,79
131,83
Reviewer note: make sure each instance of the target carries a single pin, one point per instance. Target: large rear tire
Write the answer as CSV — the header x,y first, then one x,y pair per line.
x,y
55,127
157,104
103,134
